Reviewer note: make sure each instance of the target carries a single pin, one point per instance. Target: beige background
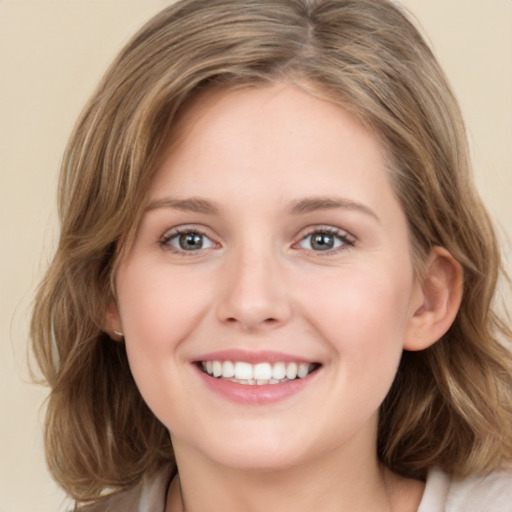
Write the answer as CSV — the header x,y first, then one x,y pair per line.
x,y
52,52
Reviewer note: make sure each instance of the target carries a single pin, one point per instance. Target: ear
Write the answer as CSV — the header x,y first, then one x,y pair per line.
x,y
440,295
113,322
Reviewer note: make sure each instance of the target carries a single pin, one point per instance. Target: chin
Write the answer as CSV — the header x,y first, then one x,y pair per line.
x,y
251,451
259,461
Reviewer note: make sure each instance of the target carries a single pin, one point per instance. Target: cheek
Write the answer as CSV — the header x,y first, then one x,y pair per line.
x,y
159,309
363,316
360,317
362,298
158,305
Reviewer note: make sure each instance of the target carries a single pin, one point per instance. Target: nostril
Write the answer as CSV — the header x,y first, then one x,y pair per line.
x,y
233,320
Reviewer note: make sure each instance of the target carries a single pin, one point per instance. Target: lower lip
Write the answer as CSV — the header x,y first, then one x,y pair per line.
x,y
255,394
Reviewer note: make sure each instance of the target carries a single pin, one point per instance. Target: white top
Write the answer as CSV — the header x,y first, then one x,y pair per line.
x,y
492,493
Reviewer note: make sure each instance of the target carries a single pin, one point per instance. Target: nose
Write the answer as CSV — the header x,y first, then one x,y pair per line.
x,y
254,294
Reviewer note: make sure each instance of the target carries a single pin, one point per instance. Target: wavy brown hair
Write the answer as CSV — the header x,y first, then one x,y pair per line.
x,y
450,405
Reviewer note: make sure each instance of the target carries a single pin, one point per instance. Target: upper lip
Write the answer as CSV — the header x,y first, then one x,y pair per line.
x,y
253,357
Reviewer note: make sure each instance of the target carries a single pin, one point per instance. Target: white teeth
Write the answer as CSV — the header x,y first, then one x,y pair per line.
x,y
303,370
243,371
257,374
262,371
278,371
291,371
228,369
217,368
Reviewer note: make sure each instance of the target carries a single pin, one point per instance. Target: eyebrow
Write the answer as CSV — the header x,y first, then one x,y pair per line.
x,y
307,205
192,204
313,204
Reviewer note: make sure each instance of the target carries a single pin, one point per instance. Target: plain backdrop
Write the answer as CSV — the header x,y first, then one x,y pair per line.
x,y
52,53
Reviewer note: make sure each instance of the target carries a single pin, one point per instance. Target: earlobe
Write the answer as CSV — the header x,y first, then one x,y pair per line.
x,y
441,295
113,322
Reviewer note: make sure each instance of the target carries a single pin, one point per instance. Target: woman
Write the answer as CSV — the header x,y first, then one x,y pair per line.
x,y
274,281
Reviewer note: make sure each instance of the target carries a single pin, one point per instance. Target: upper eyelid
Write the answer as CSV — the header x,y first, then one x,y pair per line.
x,y
342,233
184,228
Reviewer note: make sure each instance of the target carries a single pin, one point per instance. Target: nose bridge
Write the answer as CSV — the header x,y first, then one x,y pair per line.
x,y
254,294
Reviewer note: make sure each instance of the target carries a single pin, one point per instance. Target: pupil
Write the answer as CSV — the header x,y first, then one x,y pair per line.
x,y
190,241
322,242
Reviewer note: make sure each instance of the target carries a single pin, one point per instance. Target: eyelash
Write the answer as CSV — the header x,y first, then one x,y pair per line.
x,y
345,240
176,233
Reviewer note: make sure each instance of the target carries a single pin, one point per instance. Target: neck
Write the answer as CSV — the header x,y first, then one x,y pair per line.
x,y
325,483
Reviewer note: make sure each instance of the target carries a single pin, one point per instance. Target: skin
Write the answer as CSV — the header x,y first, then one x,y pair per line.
x,y
253,155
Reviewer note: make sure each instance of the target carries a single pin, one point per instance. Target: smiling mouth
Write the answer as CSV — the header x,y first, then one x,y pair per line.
x,y
259,374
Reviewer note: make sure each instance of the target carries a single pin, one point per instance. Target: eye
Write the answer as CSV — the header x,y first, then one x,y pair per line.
x,y
187,241
325,240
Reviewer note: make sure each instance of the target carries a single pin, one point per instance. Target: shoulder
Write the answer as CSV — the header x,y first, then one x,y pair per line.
x,y
147,496
477,493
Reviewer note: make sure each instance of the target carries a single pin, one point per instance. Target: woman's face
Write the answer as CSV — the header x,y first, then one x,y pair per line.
x,y
272,245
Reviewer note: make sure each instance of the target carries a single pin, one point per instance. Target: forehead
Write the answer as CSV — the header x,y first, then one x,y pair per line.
x,y
271,127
